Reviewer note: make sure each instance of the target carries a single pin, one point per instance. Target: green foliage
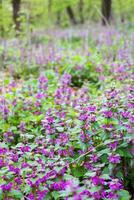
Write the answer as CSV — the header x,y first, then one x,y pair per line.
x,y
38,14
124,195
66,107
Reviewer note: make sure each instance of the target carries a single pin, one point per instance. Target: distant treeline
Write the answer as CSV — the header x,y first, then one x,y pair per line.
x,y
15,14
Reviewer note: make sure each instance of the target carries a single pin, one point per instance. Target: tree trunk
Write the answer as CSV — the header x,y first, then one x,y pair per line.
x,y
1,21
106,11
81,4
71,15
58,22
49,6
16,9
2,35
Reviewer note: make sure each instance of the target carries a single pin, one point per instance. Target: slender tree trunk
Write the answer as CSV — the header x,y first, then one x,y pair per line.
x,y
71,15
49,10
2,37
58,22
16,9
49,5
106,11
81,4
1,20
121,13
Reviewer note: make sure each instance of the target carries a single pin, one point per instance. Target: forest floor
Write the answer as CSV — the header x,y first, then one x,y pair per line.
x,y
67,115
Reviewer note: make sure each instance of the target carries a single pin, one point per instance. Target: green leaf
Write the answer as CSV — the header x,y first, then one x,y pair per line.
x,y
104,151
124,153
95,188
1,194
119,174
90,174
105,170
60,129
48,196
17,194
123,195
78,171
105,176
55,194
27,189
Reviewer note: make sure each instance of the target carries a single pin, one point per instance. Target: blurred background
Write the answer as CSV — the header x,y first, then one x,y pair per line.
x,y
20,16
40,34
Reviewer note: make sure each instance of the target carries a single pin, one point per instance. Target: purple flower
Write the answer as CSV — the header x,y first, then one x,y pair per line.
x,y
22,126
94,158
24,165
18,180
97,195
7,187
108,126
38,182
43,79
50,120
16,170
85,192
30,196
25,149
125,114
59,185
30,183
12,84
39,95
88,166
2,163
83,117
113,145
63,138
77,197
132,119
96,180
5,110
101,78
66,79
3,150
14,158
91,108
112,195
8,136
108,114
37,103
62,171
41,194
132,151
114,186
131,105
114,159
92,118
14,102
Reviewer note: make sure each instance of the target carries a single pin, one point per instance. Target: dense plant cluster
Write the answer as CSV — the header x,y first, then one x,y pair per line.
x,y
68,133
